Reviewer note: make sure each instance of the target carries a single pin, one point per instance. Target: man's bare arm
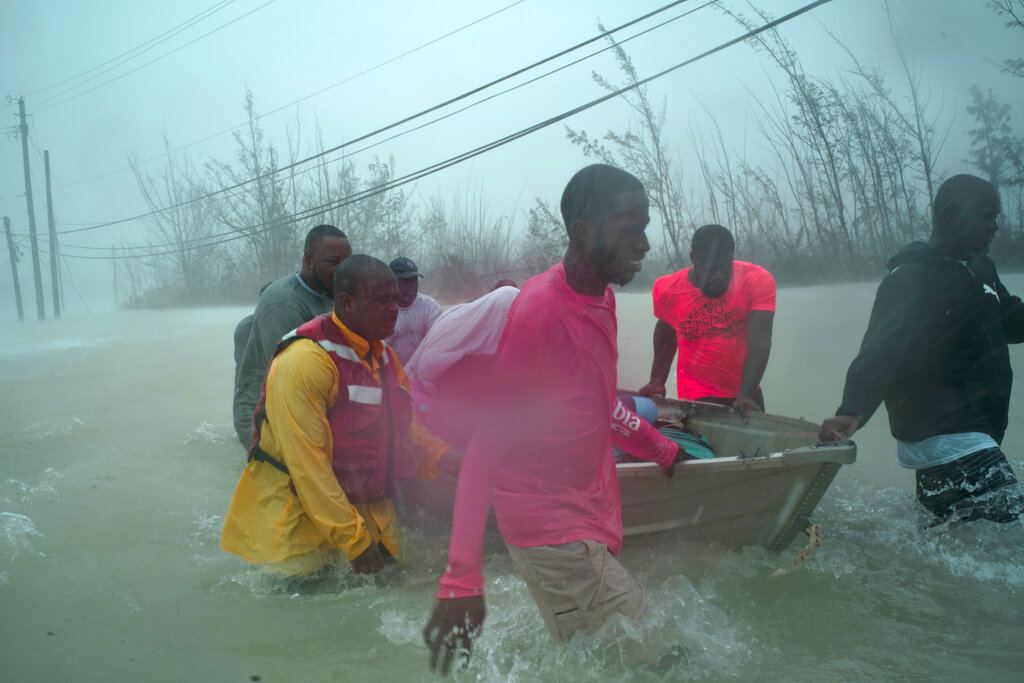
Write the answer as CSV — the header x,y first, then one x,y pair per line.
x,y
665,346
759,346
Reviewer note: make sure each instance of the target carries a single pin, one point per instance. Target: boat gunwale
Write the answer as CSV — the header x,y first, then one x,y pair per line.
x,y
844,453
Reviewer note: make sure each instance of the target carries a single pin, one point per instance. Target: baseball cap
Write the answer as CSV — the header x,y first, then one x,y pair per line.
x,y
404,267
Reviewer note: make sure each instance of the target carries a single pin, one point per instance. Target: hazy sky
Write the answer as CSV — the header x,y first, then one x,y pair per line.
x,y
285,50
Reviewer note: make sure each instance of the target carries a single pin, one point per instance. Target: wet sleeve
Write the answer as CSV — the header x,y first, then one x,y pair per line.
x,y
242,331
1013,314
463,576
887,341
515,366
433,449
762,290
301,385
639,438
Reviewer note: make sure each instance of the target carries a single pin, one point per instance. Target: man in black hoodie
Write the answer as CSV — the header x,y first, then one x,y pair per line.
x,y
936,352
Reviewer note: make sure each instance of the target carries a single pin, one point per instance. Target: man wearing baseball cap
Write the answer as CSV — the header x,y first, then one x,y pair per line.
x,y
416,312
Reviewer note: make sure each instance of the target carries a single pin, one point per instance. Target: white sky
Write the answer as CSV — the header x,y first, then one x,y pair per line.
x,y
289,49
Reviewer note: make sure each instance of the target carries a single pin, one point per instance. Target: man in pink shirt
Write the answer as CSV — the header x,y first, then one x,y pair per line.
x,y
719,314
544,458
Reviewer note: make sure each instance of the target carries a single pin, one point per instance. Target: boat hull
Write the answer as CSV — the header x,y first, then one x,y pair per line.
x,y
767,477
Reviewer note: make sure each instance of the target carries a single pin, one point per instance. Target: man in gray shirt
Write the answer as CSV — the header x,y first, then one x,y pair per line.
x,y
242,331
283,306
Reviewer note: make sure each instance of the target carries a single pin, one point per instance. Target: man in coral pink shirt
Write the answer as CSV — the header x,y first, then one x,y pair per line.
x,y
544,460
719,314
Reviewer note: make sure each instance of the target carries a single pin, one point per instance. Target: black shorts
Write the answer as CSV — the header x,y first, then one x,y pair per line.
x,y
981,485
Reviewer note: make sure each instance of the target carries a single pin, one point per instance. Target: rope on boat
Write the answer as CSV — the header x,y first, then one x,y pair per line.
x,y
814,531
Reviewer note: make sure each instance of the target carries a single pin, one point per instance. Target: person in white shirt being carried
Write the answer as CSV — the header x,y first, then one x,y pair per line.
x,y
416,312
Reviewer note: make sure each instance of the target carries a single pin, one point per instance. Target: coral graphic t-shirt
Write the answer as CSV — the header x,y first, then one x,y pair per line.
x,y
712,333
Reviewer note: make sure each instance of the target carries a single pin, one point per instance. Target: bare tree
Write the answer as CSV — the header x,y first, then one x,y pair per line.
x,y
258,209
545,240
470,247
817,126
642,152
914,121
180,220
1013,12
332,181
995,150
384,221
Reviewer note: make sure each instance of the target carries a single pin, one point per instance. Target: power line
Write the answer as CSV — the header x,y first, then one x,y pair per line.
x,y
74,285
465,156
138,49
127,73
428,123
388,126
293,103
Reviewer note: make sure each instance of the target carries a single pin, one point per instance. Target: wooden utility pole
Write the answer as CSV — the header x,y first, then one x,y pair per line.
x,y
33,240
53,237
14,267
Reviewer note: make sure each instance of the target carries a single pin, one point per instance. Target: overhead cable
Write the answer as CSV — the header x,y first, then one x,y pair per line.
x,y
465,156
285,106
440,118
140,49
143,66
386,127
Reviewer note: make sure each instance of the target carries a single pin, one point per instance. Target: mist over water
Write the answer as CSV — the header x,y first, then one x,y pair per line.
x,y
119,460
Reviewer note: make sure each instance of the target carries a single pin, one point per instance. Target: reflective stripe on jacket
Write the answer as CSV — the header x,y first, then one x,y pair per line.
x,y
299,510
367,418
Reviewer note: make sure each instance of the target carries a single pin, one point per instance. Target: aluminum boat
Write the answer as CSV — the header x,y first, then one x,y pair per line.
x,y
765,480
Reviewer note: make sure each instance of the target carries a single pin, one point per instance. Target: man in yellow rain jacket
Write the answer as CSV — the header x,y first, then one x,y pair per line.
x,y
335,427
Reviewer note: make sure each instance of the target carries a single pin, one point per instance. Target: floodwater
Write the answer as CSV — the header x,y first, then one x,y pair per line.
x,y
118,461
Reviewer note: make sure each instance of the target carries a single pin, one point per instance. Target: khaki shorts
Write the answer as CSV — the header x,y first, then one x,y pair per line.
x,y
578,585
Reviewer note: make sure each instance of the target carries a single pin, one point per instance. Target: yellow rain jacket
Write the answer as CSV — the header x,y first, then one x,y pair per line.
x,y
304,530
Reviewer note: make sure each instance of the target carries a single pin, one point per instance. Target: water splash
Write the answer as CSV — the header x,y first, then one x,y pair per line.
x,y
16,532
22,492
205,535
207,433
873,523
38,347
40,430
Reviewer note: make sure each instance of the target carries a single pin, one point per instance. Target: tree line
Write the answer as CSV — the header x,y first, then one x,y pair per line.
x,y
849,173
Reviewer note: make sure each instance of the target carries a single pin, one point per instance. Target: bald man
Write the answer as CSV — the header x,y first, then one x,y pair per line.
x,y
935,352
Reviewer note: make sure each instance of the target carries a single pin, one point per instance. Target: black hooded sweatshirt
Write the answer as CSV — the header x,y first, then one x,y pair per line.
x,y
936,348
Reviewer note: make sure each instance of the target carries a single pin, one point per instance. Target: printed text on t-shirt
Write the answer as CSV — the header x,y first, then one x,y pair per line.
x,y
713,319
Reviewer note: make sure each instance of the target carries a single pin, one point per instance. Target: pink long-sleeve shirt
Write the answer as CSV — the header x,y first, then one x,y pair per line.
x,y
545,459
